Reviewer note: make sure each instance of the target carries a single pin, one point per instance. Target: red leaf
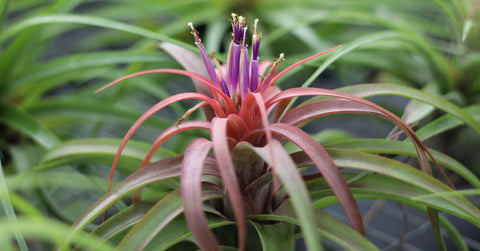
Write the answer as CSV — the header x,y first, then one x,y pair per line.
x,y
160,105
171,131
230,107
422,150
227,172
327,168
310,111
191,192
164,136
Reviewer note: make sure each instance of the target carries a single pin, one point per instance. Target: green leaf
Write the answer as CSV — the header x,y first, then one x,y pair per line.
x,y
36,77
160,170
23,122
383,146
87,20
78,62
158,217
3,12
60,111
121,221
9,211
277,236
368,90
97,151
447,122
177,230
457,206
46,229
288,173
327,227
373,186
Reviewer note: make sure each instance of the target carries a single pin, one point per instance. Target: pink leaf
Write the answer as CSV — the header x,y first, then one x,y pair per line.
x,y
227,171
230,107
160,105
310,111
191,192
327,168
164,136
421,149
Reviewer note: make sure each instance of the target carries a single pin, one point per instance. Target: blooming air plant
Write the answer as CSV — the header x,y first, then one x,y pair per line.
x,y
243,175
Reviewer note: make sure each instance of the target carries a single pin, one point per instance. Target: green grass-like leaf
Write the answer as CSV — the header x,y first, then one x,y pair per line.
x,y
158,217
28,125
288,173
276,236
368,90
327,227
382,146
97,151
87,20
372,186
9,211
457,206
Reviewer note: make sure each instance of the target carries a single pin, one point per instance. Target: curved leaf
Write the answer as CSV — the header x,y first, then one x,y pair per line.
x,y
157,218
22,121
446,122
191,193
327,227
225,165
177,230
457,205
326,166
383,146
289,175
71,110
56,232
278,236
8,209
157,107
79,62
121,221
87,20
372,186
160,170
368,90
97,151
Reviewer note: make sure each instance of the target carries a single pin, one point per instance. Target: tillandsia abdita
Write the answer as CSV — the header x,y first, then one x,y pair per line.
x,y
250,121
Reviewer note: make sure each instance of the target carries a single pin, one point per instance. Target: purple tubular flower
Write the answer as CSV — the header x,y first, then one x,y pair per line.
x,y
244,73
254,75
254,64
238,28
234,71
224,87
206,59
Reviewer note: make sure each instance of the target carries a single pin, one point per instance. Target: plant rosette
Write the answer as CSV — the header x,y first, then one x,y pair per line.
x,y
255,180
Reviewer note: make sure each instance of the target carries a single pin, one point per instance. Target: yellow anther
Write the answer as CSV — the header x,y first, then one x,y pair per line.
x,y
194,32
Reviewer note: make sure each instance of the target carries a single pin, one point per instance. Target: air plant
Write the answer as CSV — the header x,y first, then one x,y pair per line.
x,y
242,173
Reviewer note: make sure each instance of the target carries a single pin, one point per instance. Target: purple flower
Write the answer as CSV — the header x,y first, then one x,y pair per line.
x,y
242,69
